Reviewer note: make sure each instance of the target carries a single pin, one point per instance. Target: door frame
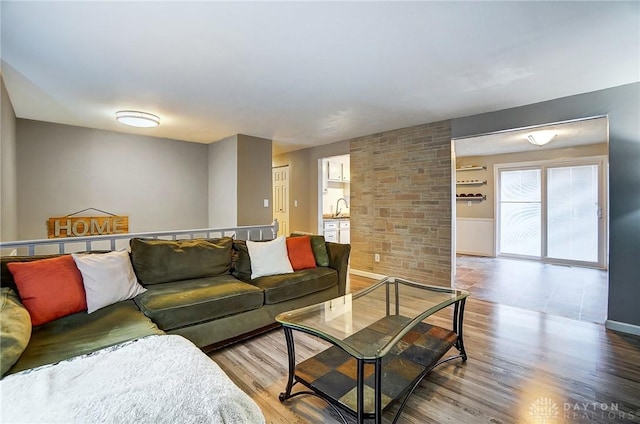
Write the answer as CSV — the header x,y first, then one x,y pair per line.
x,y
603,195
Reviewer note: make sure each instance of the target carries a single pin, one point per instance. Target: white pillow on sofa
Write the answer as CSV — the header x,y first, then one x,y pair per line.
x,y
107,278
269,257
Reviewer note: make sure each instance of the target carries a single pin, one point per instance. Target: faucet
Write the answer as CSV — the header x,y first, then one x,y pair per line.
x,y
346,205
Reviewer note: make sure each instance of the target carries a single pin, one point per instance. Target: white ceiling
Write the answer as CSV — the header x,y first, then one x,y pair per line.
x,y
306,73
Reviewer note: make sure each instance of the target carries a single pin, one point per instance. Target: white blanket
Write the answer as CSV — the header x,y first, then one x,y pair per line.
x,y
157,379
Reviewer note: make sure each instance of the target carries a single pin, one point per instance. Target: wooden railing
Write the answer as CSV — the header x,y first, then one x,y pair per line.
x,y
120,241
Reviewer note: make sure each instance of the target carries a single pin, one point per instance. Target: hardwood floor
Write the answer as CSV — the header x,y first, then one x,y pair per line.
x,y
524,367
573,292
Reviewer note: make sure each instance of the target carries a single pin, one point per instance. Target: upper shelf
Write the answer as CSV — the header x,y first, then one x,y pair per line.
x,y
471,168
474,182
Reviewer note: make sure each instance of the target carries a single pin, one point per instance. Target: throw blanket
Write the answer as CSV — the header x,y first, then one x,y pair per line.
x,y
157,379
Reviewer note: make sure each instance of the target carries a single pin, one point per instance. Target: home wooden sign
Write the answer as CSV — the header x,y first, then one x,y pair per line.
x,y
78,226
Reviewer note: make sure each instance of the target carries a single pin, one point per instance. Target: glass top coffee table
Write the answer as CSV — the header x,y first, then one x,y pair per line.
x,y
381,349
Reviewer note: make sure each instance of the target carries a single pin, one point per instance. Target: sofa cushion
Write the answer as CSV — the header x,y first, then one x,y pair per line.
x,y
15,329
269,257
162,261
49,288
181,303
279,288
107,278
6,277
82,333
240,262
319,247
300,253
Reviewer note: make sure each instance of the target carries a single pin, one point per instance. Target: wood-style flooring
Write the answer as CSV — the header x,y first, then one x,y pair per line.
x,y
573,292
524,367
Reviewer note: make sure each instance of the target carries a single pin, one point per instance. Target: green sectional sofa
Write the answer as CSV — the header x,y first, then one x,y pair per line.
x,y
200,289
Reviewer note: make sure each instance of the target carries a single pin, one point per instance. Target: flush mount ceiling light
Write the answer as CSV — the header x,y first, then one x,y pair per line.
x,y
134,118
541,138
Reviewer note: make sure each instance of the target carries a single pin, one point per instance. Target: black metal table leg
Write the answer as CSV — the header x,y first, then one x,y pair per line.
x,y
378,393
460,341
360,390
458,320
288,334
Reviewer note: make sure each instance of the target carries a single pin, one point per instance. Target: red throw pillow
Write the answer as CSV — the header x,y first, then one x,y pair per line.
x,y
49,288
300,253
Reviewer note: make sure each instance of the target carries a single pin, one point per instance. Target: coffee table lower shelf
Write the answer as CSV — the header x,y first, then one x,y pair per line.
x,y
333,373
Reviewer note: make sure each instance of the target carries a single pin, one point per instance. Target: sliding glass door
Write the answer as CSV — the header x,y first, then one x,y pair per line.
x,y
520,212
573,213
552,212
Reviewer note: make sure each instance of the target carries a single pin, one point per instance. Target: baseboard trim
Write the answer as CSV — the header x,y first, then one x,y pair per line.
x,y
367,274
623,327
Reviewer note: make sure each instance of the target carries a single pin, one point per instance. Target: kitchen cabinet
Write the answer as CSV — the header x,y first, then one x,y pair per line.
x,y
338,171
346,172
334,171
337,230
344,233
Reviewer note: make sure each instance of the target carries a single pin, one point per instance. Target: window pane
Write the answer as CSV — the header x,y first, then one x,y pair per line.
x,y
520,186
572,221
520,228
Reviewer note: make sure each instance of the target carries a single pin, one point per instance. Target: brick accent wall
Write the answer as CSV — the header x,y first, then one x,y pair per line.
x,y
401,203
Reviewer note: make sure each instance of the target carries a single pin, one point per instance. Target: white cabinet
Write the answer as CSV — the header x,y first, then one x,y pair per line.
x,y
338,170
331,235
337,231
344,235
346,170
330,229
334,171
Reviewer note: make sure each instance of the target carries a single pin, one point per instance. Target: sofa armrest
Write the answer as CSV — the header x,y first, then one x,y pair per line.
x,y
339,260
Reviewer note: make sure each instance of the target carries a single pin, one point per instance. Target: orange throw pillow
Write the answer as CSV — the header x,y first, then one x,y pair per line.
x,y
49,288
300,253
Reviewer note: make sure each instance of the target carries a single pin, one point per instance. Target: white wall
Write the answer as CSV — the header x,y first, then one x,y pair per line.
x,y
223,182
8,174
161,184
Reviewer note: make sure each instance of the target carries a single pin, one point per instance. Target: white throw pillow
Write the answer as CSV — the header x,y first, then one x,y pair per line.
x,y
269,257
107,277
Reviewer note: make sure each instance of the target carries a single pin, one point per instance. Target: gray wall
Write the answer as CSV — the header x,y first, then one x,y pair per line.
x,y
254,180
8,174
239,181
223,184
161,184
622,105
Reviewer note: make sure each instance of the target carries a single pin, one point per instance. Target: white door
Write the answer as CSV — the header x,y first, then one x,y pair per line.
x,y
281,198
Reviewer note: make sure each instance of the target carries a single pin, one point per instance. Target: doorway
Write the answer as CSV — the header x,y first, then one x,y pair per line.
x,y
531,222
334,183
280,176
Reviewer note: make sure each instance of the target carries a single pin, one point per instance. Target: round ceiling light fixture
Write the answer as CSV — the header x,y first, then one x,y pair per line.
x,y
541,138
134,118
